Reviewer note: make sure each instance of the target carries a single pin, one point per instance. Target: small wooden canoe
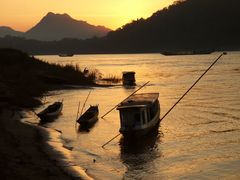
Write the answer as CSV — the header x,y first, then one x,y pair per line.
x,y
51,112
89,117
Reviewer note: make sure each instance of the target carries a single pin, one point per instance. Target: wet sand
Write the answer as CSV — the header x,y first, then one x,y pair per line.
x,y
24,152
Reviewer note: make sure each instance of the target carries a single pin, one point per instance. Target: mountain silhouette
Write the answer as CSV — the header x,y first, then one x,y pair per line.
x,y
185,26
60,26
4,30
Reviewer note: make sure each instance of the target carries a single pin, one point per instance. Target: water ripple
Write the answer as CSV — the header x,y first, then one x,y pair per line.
x,y
225,131
209,122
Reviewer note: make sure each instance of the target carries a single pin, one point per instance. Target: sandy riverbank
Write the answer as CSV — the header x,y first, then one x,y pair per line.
x,y
28,151
25,152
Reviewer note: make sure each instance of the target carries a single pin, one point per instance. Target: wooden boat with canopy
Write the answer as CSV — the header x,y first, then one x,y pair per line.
x,y
139,114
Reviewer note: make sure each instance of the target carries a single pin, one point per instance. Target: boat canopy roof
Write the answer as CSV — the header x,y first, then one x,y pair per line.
x,y
139,100
128,72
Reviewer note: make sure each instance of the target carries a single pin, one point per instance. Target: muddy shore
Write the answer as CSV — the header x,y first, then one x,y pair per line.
x,y
26,150
25,153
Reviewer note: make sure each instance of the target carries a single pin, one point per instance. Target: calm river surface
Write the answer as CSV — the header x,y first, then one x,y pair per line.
x,y
199,139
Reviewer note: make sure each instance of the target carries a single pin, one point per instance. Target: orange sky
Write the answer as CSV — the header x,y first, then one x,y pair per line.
x,y
23,14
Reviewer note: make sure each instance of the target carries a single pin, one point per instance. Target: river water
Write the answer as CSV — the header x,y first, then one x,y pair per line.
x,y
199,139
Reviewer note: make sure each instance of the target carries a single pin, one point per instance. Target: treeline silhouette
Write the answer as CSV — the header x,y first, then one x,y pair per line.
x,y
184,25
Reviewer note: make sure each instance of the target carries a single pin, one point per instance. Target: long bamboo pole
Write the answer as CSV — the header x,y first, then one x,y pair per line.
x,y
193,85
125,99
85,102
115,107
78,110
77,115
110,140
177,101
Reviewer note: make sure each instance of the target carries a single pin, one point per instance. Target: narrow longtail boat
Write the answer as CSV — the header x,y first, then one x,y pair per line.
x,y
66,55
89,117
51,112
139,114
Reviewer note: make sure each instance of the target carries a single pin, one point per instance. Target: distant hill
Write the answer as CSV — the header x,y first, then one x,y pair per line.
x,y
187,25
53,27
4,30
59,26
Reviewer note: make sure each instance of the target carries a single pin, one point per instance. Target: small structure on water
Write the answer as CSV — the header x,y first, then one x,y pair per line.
x,y
128,78
139,114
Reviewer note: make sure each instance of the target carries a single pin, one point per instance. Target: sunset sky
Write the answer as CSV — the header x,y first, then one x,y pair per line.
x,y
21,15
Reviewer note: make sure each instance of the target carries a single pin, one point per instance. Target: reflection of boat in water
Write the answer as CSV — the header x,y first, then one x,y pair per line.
x,y
66,55
148,143
139,156
88,118
128,78
51,112
139,114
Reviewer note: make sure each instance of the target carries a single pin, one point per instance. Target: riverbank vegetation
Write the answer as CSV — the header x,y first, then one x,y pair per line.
x,y
111,79
24,79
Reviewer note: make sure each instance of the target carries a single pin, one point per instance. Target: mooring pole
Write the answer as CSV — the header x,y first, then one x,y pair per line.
x,y
85,102
78,110
110,140
115,107
224,53
77,115
125,99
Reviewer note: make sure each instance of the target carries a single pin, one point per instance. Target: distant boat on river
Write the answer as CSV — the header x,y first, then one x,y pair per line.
x,y
51,112
194,52
66,55
139,114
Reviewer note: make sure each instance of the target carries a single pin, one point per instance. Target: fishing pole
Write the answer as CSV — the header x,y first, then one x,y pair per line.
x,y
78,109
224,53
77,114
125,99
85,102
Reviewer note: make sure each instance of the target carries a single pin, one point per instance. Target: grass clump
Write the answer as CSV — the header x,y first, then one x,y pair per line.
x,y
111,79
